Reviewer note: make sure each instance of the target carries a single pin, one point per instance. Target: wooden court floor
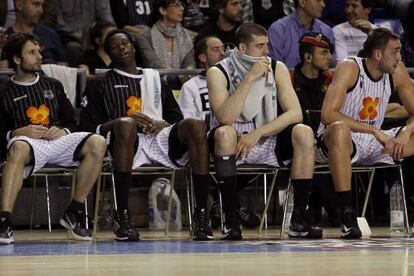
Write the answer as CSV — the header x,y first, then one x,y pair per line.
x,y
38,252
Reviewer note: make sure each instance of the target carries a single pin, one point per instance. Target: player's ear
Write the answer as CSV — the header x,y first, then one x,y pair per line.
x,y
17,59
202,57
243,47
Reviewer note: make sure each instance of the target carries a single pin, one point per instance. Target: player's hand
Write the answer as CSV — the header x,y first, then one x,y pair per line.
x,y
143,121
54,133
157,126
245,143
385,140
400,142
31,131
260,69
364,25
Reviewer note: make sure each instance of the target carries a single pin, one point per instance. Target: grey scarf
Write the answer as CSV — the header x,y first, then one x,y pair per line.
x,y
182,43
261,102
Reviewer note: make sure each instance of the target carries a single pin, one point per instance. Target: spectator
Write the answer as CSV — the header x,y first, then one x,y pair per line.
x,y
96,57
284,34
133,15
334,12
172,43
228,14
74,16
265,12
28,14
310,80
7,15
194,18
350,36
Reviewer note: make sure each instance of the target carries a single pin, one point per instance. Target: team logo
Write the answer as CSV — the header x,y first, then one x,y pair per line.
x,y
369,108
38,116
48,94
84,101
134,105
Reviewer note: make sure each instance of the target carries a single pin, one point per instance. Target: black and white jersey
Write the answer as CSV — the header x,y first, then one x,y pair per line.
x,y
40,102
366,102
193,99
118,94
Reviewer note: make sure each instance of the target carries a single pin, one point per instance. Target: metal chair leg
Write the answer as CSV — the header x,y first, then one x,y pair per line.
x,y
97,198
190,204
371,178
285,207
407,223
170,198
48,203
265,196
272,186
33,201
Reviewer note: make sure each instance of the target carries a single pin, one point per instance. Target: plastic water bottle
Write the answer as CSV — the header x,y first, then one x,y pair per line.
x,y
289,210
396,209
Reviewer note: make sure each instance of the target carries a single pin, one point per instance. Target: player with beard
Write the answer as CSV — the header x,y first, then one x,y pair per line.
x,y
229,15
39,120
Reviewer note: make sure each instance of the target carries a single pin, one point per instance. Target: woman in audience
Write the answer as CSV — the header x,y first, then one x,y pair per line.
x,y
169,40
95,56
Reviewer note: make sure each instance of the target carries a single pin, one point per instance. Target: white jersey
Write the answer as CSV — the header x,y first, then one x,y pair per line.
x,y
193,99
366,102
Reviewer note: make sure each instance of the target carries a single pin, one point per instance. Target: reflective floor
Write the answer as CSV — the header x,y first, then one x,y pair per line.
x,y
41,253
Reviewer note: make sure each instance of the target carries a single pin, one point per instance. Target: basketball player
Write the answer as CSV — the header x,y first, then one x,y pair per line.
x,y
140,116
244,91
39,120
353,112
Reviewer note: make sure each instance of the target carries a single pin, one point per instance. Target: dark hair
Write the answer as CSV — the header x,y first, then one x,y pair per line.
x,y
309,41
108,40
244,34
296,3
162,4
368,4
378,39
201,48
14,46
96,30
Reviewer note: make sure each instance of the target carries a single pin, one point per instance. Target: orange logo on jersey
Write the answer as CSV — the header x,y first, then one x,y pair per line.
x,y
38,116
134,105
369,108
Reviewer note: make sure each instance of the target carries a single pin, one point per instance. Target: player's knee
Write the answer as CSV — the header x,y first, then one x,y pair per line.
x,y
225,134
125,129
337,133
302,137
18,152
96,146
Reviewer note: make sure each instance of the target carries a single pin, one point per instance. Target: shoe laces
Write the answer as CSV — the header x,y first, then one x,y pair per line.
x,y
81,218
124,219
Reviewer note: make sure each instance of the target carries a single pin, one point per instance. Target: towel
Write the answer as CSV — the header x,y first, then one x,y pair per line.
x,y
66,75
151,94
261,103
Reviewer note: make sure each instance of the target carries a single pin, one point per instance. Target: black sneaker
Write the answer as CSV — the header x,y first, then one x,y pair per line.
x,y
248,218
123,226
6,231
301,228
349,225
215,215
75,222
232,227
202,228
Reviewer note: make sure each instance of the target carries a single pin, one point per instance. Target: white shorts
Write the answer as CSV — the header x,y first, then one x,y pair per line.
x,y
61,152
264,152
155,149
367,149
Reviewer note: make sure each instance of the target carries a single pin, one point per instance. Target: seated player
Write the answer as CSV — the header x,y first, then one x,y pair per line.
x,y
39,120
140,117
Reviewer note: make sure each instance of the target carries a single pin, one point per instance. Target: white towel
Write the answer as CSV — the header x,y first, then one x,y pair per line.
x,y
260,103
66,75
151,94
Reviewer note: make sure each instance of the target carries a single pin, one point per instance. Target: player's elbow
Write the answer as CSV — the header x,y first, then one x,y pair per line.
x,y
326,117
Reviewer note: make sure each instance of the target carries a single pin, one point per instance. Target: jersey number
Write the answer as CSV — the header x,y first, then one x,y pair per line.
x,y
143,7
